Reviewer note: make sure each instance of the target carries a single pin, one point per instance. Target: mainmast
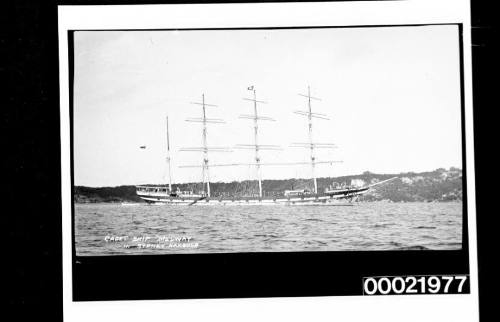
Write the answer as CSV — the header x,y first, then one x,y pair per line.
x,y
205,164
311,145
256,146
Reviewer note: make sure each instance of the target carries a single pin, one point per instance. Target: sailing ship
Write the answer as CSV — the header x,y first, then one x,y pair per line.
x,y
333,195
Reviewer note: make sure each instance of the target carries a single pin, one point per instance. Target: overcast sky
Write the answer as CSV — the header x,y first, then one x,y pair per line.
x,y
392,95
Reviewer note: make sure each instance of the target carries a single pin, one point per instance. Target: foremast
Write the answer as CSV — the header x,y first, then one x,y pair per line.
x,y
311,145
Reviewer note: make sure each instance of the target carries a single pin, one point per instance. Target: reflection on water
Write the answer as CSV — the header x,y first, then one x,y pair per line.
x,y
205,229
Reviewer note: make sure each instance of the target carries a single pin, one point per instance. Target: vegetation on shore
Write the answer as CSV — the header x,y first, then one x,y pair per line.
x,y
437,185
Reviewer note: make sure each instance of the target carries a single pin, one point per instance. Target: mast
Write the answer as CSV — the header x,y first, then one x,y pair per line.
x,y
256,142
205,148
256,146
309,117
168,161
311,145
205,171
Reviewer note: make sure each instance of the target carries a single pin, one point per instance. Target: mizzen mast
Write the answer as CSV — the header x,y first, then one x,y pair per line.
x,y
311,145
256,146
205,148
168,161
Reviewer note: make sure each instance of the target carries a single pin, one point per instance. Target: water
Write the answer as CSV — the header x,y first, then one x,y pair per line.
x,y
198,229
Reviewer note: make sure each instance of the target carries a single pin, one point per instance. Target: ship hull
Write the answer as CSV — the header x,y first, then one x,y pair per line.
x,y
318,199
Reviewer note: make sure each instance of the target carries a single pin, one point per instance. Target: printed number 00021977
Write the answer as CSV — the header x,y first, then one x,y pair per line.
x,y
427,284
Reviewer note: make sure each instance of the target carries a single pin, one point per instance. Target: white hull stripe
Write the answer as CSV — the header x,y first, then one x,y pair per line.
x,y
297,201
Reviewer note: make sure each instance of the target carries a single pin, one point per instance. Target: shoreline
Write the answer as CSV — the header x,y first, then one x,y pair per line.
x,y
356,202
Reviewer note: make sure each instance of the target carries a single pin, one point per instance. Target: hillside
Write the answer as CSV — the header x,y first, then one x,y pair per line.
x,y
106,194
437,185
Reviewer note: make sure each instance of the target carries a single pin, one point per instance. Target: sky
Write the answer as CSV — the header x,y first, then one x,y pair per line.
x,y
392,96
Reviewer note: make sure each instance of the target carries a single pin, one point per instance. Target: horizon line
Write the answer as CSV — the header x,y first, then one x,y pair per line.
x,y
296,178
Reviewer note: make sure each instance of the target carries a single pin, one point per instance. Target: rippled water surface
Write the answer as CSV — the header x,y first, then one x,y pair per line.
x,y
108,229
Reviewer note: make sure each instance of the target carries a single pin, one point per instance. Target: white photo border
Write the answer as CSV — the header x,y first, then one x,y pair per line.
x,y
357,308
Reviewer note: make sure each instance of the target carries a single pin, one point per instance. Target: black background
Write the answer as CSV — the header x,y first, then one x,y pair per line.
x,y
31,163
